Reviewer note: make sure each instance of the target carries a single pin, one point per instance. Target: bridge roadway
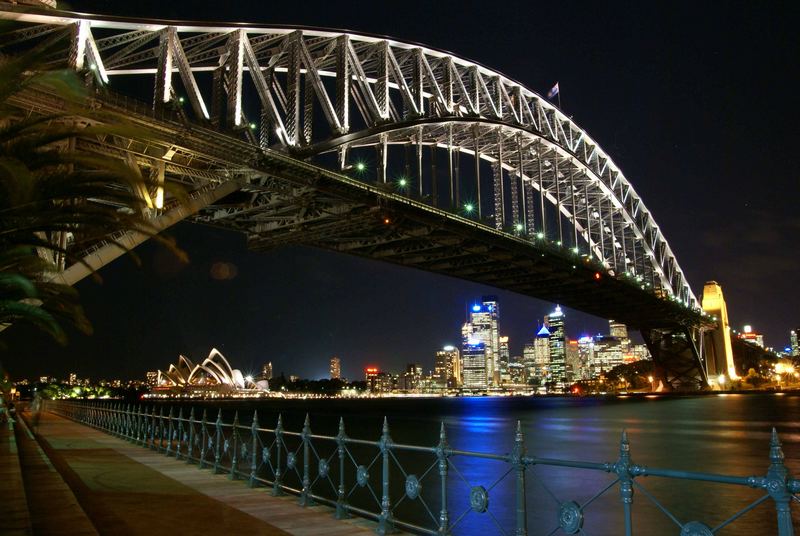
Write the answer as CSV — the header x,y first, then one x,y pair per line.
x,y
80,481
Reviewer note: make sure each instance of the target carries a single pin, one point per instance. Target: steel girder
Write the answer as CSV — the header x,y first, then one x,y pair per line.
x,y
402,94
677,356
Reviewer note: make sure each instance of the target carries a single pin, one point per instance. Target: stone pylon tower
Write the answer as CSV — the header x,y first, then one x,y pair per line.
x,y
718,349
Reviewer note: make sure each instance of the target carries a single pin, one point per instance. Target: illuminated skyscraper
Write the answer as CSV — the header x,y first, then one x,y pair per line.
x,y
794,335
266,371
483,326
447,368
608,353
536,357
410,380
336,368
474,365
377,381
503,360
558,351
617,329
586,355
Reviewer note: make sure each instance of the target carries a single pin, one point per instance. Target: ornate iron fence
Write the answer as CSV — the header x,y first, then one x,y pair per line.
x,y
373,479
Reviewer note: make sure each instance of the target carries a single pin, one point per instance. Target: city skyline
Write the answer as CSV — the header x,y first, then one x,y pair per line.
x,y
742,239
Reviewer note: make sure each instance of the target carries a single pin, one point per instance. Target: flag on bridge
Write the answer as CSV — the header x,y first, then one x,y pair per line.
x,y
553,91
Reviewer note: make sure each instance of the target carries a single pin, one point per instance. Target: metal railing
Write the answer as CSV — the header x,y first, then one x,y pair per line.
x,y
373,479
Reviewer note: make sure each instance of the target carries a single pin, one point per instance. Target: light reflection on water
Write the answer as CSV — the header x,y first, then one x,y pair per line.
x,y
728,435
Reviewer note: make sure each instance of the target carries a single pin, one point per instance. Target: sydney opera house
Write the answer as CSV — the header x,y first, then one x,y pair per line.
x,y
213,376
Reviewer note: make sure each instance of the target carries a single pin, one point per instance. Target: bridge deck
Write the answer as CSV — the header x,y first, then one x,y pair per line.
x,y
126,489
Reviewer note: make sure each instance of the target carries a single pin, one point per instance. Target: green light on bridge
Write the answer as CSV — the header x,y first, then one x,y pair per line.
x,y
468,208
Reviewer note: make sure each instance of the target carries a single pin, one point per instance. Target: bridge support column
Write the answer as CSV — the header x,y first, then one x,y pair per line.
x,y
719,350
676,358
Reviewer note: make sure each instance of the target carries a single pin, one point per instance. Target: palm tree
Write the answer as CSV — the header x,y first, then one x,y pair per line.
x,y
55,201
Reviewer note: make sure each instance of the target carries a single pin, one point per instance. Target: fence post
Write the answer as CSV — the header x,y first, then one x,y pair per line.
x,y
130,423
139,426
385,522
217,440
518,461
305,500
234,445
204,441
181,432
441,453
190,446
126,423
341,505
152,427
253,455
276,485
777,486
160,432
622,468
170,432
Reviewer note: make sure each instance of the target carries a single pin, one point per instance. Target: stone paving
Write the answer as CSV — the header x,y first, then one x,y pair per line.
x,y
129,490
14,517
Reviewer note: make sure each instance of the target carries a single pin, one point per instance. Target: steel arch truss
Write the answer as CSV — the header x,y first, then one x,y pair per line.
x,y
317,91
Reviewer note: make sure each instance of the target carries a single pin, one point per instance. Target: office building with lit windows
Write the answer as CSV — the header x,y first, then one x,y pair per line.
x,y
558,351
447,368
483,325
473,365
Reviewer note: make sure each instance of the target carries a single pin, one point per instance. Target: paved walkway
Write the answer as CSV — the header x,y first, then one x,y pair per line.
x,y
128,490
14,518
51,503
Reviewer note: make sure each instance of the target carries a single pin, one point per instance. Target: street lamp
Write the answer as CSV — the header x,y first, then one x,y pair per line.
x,y
652,385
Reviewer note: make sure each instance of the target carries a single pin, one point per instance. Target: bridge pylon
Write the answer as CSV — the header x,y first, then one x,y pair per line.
x,y
717,342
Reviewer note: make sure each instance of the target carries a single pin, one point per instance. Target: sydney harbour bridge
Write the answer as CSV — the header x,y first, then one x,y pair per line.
x,y
380,148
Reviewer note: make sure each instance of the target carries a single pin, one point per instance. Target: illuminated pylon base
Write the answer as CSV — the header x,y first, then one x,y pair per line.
x,y
717,342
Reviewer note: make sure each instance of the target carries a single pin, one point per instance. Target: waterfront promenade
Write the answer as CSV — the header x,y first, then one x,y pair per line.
x,y
73,480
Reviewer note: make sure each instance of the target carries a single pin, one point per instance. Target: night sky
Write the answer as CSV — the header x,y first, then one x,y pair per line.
x,y
696,103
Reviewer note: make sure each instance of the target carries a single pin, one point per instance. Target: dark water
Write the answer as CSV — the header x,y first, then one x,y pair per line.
x,y
727,434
